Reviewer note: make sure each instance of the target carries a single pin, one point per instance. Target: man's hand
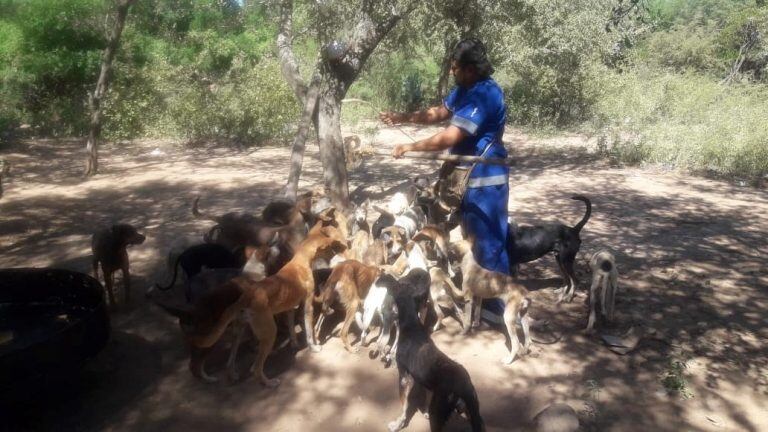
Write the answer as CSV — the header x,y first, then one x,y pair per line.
x,y
400,150
391,118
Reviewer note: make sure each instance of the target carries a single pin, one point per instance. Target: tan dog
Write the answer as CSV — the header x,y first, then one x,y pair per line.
x,y
360,231
375,254
604,286
480,283
441,293
349,282
262,300
110,249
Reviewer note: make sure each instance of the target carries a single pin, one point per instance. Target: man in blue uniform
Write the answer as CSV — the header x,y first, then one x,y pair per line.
x,y
477,113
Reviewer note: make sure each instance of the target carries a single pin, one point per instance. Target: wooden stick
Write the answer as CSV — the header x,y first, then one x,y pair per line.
x,y
453,158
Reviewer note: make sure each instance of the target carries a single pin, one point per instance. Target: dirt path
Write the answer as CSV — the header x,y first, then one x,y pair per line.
x,y
692,258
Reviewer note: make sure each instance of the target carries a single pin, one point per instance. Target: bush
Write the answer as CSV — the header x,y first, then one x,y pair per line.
x,y
685,120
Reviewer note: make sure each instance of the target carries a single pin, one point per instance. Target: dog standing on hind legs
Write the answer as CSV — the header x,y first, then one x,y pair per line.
x,y
110,249
479,283
605,278
424,369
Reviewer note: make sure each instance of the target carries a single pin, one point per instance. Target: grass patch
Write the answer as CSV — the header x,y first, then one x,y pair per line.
x,y
687,121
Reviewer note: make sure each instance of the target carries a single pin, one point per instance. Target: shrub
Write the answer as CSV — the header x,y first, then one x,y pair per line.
x,y
687,121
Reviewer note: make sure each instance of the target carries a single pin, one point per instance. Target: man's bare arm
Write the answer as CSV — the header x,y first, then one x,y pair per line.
x,y
445,139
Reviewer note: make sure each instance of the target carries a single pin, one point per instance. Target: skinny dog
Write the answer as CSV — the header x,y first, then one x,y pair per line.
x,y
529,243
264,299
110,249
604,286
349,282
481,283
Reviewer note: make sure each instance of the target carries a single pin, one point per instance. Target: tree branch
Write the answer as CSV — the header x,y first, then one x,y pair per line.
x,y
369,32
288,64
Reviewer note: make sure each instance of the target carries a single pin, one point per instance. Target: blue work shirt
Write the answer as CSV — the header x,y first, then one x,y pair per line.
x,y
479,110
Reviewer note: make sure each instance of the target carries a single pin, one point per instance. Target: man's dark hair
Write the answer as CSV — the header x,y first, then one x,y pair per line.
x,y
471,52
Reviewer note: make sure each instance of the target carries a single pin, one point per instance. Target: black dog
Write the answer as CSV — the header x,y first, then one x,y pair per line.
x,y
423,367
415,285
193,259
529,243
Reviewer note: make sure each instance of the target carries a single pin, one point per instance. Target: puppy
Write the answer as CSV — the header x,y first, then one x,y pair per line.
x,y
349,282
477,282
605,278
422,367
110,249
529,243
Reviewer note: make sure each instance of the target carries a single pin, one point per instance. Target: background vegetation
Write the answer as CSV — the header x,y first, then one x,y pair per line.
x,y
678,82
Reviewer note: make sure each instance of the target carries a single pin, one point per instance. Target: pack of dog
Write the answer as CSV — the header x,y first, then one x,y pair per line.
x,y
252,269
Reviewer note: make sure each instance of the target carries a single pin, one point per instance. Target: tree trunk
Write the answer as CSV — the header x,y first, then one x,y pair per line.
x,y
445,68
331,145
95,98
299,142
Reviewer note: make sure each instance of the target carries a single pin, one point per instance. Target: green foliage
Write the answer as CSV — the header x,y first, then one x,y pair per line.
x,y
673,379
685,120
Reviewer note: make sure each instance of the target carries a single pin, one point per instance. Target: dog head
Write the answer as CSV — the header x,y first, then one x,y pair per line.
x,y
394,238
127,235
360,214
257,257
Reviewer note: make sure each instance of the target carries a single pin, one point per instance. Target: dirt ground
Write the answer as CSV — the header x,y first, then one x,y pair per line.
x,y
692,257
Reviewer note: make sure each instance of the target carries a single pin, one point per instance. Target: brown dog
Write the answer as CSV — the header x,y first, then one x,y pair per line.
x,y
349,282
477,282
109,247
262,300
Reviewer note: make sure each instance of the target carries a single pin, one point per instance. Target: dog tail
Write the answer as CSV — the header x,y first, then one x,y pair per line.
x,y
196,212
175,273
583,220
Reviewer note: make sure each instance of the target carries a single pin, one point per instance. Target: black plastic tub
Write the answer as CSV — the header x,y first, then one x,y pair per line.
x,y
51,321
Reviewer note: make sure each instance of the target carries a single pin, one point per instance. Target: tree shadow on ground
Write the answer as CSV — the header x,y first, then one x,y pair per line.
x,y
691,269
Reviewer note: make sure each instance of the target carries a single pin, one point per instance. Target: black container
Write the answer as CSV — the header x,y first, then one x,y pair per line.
x,y
51,321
